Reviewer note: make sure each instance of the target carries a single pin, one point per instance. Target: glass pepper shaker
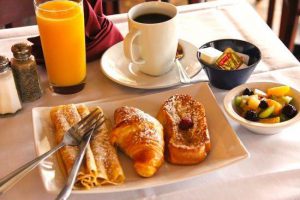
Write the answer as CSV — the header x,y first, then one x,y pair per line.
x,y
9,99
25,72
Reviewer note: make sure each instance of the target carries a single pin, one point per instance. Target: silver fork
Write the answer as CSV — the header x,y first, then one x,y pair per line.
x,y
72,137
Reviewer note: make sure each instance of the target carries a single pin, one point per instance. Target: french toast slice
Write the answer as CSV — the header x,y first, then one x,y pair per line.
x,y
186,134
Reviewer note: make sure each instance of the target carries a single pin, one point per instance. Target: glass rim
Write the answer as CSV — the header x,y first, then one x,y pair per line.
x,y
36,5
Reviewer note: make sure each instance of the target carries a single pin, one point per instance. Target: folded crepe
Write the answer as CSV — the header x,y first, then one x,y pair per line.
x,y
101,164
100,33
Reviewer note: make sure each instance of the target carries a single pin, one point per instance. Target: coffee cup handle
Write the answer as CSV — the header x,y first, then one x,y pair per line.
x,y
128,46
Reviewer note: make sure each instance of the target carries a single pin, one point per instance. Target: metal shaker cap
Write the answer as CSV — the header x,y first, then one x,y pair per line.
x,y
4,63
21,51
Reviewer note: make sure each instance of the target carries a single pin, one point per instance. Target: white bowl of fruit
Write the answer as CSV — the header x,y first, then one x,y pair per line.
x,y
263,107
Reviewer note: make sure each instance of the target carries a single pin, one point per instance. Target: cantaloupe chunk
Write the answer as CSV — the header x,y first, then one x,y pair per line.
x,y
277,106
270,120
278,91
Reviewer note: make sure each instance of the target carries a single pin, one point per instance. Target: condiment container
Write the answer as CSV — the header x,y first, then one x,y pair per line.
x,y
9,99
25,72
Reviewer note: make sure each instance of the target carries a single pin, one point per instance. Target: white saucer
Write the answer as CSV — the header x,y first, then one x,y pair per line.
x,y
119,69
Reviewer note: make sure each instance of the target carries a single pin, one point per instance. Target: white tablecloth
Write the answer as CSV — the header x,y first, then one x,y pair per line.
x,y
271,172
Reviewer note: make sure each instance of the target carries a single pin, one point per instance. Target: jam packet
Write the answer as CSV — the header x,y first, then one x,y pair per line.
x,y
229,60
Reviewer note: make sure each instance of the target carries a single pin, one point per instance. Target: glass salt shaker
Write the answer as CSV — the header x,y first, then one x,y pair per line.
x,y
25,72
9,99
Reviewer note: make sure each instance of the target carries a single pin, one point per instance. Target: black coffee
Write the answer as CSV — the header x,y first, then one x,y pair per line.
x,y
152,18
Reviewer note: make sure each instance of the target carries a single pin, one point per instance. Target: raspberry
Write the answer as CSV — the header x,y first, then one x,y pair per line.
x,y
186,123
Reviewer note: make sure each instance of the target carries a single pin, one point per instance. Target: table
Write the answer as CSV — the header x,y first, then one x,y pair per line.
x,y
271,172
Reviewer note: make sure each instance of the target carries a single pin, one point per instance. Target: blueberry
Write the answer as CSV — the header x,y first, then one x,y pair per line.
x,y
289,110
263,104
248,92
251,115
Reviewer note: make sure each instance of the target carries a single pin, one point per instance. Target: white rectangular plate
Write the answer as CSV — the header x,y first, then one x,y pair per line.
x,y
226,146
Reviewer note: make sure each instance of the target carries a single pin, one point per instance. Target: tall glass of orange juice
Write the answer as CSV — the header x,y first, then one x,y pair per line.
x,y
61,27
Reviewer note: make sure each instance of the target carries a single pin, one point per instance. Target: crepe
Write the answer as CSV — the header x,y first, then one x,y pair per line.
x,y
101,164
106,156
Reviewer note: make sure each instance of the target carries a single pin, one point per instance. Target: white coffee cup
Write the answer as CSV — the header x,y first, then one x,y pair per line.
x,y
152,46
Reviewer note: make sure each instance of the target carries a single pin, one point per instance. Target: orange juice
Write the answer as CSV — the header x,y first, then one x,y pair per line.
x,y
61,26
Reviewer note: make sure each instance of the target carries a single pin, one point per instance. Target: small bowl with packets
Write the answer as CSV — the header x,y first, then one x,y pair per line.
x,y
263,107
228,62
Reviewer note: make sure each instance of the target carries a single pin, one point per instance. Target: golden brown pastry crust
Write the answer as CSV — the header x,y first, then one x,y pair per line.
x,y
189,146
140,136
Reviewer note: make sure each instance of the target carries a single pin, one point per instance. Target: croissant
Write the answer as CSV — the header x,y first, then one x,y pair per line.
x,y
140,136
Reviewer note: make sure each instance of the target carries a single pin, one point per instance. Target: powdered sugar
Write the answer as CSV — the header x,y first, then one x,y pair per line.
x,y
182,106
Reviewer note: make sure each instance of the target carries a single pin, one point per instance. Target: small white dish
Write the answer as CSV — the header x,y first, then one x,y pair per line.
x,y
226,147
257,127
118,68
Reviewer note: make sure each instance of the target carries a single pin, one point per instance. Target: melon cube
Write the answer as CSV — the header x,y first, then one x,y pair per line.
x,y
267,112
253,102
287,99
277,106
238,100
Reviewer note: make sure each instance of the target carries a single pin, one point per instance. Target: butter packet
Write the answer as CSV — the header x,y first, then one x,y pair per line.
x,y
229,60
245,58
